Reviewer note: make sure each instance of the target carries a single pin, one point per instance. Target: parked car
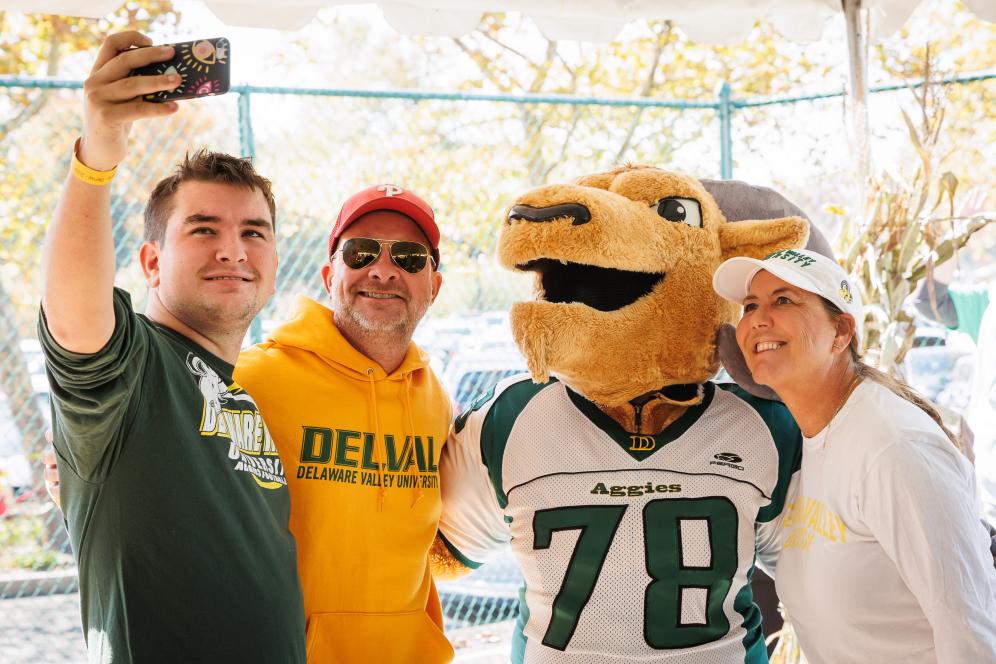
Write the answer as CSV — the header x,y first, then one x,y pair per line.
x,y
939,365
34,358
15,469
469,374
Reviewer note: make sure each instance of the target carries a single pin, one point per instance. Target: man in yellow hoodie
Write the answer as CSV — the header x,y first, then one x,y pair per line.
x,y
359,420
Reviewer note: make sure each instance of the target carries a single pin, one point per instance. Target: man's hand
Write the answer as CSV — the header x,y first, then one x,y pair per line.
x,y
113,99
443,565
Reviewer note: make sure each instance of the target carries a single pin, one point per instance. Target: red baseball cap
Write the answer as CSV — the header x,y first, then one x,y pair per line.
x,y
387,197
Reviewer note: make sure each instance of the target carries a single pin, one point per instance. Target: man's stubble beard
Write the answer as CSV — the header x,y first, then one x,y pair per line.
x,y
402,328
210,319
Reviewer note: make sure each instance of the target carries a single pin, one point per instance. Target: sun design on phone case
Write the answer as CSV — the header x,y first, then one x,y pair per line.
x,y
167,68
201,55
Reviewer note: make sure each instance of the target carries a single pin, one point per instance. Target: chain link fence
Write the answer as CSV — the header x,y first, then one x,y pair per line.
x,y
469,155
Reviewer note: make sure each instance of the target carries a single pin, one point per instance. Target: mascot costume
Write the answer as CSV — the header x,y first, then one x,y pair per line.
x,y
629,486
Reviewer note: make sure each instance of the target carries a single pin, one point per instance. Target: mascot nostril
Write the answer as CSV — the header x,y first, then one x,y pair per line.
x,y
578,212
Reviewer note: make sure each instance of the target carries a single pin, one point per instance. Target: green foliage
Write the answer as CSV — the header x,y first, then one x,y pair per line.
x,y
22,538
38,560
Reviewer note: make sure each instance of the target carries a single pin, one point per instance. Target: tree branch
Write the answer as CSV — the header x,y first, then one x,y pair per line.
x,y
563,146
543,69
484,64
663,39
570,71
508,48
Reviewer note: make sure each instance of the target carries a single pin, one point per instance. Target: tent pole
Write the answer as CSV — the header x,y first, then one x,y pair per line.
x,y
857,52
725,110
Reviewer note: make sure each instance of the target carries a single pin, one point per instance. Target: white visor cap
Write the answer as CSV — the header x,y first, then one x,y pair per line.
x,y
803,269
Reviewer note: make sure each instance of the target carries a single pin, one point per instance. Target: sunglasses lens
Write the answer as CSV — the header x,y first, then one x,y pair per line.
x,y
409,256
358,252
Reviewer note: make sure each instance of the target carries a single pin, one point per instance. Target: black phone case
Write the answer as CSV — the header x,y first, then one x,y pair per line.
x,y
204,67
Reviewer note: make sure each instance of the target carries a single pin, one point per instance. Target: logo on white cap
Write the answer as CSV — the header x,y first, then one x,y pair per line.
x,y
845,292
792,257
390,190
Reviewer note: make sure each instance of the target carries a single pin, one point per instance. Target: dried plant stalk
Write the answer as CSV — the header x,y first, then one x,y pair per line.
x,y
901,236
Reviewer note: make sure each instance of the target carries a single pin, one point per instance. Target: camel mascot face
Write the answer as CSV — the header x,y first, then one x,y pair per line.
x,y
623,261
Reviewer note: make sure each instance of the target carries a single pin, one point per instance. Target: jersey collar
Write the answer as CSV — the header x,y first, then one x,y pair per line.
x,y
642,446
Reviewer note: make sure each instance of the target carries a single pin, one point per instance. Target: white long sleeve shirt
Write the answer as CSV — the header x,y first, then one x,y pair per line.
x,y
884,558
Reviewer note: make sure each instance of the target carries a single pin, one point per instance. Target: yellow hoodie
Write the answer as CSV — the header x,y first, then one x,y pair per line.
x,y
360,449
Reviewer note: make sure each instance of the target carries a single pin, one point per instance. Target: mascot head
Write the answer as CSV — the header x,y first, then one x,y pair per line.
x,y
623,302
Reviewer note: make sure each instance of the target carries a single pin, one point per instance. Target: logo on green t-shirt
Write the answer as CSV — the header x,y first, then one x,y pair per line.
x,y
229,412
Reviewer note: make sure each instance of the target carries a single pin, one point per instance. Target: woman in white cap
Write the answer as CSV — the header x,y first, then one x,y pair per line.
x,y
883,557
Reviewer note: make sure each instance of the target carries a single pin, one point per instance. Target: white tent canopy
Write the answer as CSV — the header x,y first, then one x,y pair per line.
x,y
709,21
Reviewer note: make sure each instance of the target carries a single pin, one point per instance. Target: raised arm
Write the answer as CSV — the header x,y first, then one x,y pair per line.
x,y
78,259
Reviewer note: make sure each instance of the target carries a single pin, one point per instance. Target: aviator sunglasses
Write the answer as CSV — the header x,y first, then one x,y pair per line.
x,y
359,252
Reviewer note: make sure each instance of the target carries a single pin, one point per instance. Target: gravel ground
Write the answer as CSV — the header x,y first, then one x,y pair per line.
x,y
46,629
41,629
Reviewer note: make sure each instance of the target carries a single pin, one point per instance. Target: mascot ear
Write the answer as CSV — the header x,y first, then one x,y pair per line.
x,y
758,238
598,180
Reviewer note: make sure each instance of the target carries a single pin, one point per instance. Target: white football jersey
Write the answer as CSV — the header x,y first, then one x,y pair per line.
x,y
632,547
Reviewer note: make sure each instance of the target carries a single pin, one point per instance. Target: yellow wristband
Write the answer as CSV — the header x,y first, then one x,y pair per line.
x,y
83,172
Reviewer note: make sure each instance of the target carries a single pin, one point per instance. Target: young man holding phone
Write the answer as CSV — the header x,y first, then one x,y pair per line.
x,y
175,498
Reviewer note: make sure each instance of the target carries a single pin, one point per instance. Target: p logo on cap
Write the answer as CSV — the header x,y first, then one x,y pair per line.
x,y
390,190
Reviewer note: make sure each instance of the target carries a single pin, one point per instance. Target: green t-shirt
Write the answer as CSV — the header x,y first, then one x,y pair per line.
x,y
176,502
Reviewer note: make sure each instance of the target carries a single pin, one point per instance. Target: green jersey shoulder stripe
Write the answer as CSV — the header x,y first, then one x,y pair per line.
x,y
507,405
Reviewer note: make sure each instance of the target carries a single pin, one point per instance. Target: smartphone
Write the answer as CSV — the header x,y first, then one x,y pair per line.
x,y
204,67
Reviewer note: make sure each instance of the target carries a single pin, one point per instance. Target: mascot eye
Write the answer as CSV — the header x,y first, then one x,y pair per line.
x,y
682,210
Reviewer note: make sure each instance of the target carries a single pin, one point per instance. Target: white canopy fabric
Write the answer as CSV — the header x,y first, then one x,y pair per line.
x,y
708,21
704,21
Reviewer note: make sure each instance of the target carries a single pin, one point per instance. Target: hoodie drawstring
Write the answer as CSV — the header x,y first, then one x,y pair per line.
x,y
407,406
379,450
